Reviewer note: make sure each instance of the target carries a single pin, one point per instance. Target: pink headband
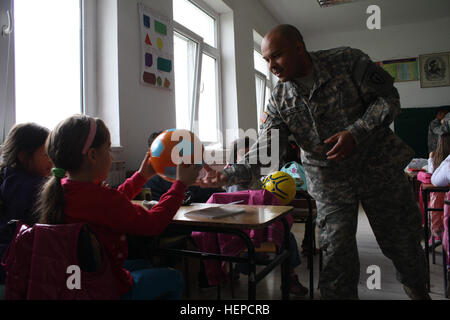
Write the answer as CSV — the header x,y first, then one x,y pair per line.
x,y
91,136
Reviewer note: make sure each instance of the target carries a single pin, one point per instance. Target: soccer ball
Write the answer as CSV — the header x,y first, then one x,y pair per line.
x,y
172,147
282,185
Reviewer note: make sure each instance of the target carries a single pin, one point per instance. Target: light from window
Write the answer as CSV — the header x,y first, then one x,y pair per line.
x,y
195,19
260,63
47,60
185,56
260,95
208,128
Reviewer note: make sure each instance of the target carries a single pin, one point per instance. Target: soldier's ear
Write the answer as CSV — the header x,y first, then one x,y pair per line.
x,y
300,46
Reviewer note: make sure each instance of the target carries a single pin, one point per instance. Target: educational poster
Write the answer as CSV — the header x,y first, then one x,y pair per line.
x,y
402,69
156,34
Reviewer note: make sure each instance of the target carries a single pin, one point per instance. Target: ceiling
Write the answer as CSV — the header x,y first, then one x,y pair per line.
x,y
310,18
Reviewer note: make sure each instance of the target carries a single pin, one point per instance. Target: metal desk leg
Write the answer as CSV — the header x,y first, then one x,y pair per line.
x,y
251,273
311,251
425,227
444,267
433,251
285,265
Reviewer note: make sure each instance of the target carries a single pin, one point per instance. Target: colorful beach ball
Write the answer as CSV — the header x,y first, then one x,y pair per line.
x,y
173,146
282,185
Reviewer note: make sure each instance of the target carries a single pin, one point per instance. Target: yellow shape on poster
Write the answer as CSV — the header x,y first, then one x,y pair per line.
x,y
159,43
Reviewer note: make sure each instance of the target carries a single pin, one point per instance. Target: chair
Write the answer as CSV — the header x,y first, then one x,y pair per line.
x,y
148,247
38,259
305,211
446,248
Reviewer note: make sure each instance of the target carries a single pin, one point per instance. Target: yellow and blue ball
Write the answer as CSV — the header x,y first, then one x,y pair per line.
x,y
282,185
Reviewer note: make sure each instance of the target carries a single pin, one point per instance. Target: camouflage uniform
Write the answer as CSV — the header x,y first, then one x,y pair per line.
x,y
350,93
434,131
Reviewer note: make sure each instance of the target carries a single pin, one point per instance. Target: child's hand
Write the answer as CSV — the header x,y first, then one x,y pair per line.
x,y
188,173
146,169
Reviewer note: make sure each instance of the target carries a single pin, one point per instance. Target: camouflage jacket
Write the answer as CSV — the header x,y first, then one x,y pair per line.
x,y
351,93
434,131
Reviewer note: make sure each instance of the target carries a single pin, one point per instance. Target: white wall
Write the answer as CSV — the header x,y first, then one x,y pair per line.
x,y
396,42
142,109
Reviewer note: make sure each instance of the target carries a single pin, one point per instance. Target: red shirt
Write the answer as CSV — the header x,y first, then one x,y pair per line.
x,y
111,215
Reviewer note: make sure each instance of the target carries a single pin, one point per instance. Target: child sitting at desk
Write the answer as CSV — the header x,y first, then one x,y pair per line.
x,y
80,148
437,198
240,148
24,166
441,178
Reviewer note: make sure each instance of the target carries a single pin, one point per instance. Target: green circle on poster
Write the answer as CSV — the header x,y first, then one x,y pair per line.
x,y
159,81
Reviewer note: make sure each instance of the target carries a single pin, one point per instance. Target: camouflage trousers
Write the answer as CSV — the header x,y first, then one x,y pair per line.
x,y
395,219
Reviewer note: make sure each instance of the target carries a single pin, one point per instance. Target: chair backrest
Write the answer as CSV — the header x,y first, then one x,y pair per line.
x,y
43,249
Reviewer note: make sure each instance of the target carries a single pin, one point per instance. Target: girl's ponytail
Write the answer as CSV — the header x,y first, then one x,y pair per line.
x,y
51,202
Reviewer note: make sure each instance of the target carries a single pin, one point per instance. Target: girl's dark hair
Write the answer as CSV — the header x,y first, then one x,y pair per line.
x,y
442,150
64,147
23,137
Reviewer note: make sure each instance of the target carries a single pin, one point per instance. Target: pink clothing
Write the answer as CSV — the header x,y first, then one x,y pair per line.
x,y
445,236
436,202
233,245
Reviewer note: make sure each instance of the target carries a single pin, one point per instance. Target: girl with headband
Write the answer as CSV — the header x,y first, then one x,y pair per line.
x,y
80,150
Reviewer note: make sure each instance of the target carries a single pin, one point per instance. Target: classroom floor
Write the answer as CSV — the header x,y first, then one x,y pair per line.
x,y
369,254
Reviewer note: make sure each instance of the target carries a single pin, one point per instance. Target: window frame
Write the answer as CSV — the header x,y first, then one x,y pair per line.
x,y
268,79
213,52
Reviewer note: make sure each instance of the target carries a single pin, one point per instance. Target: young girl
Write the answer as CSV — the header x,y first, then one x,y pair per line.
x,y
80,150
24,166
437,198
441,178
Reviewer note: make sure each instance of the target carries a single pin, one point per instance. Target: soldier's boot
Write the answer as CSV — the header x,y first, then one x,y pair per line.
x,y
417,293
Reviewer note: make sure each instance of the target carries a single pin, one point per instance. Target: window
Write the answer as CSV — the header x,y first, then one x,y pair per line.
x,y
47,60
197,70
263,83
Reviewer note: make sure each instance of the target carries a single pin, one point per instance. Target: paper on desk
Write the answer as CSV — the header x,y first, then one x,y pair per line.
x,y
215,212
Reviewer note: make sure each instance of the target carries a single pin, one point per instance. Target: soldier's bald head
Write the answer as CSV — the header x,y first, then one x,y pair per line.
x,y
287,31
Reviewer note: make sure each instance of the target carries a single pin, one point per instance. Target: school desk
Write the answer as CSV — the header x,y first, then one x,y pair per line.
x,y
254,217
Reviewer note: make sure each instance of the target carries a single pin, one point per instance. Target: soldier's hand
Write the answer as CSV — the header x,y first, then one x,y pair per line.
x,y
345,143
212,179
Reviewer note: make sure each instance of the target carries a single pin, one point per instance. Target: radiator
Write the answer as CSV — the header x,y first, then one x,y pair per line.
x,y
116,174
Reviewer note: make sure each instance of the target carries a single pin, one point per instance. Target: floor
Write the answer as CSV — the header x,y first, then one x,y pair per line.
x,y
369,253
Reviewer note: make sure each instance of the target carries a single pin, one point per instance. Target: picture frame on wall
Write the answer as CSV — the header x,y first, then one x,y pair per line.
x,y
434,70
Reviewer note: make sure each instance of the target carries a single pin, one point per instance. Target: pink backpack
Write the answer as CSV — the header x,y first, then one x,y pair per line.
x,y
424,177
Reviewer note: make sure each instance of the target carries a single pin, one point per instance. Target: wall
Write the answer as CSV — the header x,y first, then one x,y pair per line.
x,y
142,109
396,42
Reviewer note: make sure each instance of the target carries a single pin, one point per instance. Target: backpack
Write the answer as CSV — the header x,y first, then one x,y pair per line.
x,y
296,171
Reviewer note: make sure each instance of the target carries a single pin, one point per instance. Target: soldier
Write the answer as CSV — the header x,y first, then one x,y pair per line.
x,y
338,105
437,127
